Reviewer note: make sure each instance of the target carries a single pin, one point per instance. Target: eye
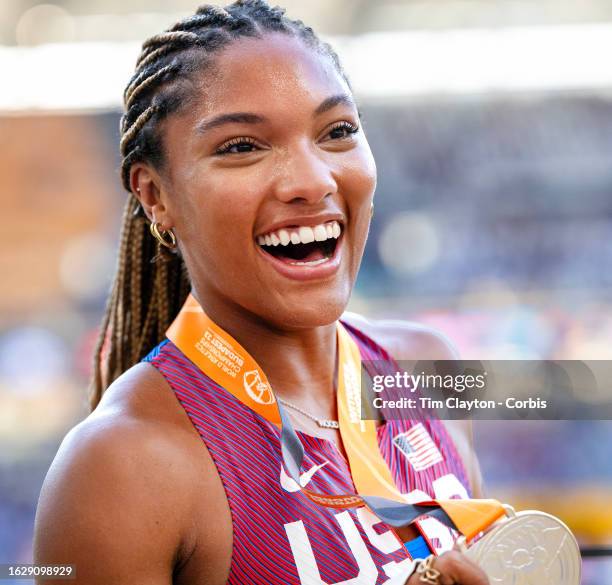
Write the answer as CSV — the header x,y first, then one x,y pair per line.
x,y
343,130
238,145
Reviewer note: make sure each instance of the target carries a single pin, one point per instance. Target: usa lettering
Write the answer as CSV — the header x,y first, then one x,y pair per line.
x,y
385,541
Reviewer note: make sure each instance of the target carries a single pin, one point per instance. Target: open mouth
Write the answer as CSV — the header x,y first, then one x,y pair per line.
x,y
302,246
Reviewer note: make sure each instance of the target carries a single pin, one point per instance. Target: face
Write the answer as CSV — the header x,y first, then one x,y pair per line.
x,y
289,168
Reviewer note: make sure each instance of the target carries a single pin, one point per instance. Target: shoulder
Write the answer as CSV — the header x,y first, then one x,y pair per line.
x,y
404,340
125,485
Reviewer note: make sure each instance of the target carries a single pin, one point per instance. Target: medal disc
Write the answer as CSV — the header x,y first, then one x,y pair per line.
x,y
527,548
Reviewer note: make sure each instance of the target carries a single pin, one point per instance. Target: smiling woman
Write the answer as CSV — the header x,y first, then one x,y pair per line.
x,y
250,187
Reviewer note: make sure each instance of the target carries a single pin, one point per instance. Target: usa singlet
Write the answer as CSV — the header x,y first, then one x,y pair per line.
x,y
280,537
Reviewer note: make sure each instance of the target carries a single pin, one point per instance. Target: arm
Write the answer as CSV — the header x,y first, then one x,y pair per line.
x,y
131,493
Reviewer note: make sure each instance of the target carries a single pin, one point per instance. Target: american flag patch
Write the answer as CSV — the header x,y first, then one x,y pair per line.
x,y
417,446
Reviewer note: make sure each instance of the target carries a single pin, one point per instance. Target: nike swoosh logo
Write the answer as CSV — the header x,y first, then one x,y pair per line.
x,y
290,485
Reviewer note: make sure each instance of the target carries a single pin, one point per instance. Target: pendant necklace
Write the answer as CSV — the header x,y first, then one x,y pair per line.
x,y
322,422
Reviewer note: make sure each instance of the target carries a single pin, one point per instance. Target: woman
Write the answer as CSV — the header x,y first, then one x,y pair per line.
x,y
243,152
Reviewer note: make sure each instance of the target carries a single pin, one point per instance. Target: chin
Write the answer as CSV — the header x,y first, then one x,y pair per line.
x,y
306,312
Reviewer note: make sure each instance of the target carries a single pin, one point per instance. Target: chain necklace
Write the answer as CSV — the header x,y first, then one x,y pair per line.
x,y
322,422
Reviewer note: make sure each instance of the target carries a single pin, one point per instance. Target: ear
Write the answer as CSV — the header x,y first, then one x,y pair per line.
x,y
146,186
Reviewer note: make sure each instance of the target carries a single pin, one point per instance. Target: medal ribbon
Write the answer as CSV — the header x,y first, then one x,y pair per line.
x,y
218,355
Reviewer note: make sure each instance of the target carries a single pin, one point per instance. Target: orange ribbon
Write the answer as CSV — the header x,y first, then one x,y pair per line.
x,y
231,366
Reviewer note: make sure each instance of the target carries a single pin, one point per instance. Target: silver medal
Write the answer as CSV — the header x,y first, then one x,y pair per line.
x,y
526,548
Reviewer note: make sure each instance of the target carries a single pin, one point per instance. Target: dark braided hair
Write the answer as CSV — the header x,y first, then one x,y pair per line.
x,y
151,283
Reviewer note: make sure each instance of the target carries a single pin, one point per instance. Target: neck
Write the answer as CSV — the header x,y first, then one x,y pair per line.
x,y
300,364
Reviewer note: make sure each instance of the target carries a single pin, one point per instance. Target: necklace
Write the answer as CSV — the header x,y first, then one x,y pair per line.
x,y
322,422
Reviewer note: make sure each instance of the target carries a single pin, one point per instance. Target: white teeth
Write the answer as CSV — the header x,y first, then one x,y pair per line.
x,y
306,235
284,236
301,235
320,233
311,263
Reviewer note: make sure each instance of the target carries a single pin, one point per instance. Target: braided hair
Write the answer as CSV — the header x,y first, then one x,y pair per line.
x,y
152,283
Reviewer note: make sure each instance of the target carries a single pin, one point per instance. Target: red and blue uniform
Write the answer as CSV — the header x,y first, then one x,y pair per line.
x,y
280,536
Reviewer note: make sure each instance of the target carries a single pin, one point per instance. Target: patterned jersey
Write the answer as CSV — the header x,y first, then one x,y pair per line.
x,y
280,537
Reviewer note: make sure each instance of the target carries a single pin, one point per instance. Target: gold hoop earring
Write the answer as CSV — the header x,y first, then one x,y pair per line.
x,y
162,236
372,211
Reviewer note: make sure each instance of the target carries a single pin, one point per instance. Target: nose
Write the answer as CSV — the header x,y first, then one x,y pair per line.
x,y
304,175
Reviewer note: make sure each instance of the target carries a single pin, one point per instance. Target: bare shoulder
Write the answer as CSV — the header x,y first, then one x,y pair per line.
x,y
410,341
122,493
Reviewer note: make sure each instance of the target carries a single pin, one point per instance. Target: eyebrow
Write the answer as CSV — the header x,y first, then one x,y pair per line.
x,y
332,102
250,118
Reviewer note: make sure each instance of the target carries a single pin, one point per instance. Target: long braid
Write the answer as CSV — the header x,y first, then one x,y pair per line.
x,y
139,225
151,283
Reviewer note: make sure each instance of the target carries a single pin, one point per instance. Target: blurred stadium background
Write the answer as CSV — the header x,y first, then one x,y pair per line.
x,y
491,125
